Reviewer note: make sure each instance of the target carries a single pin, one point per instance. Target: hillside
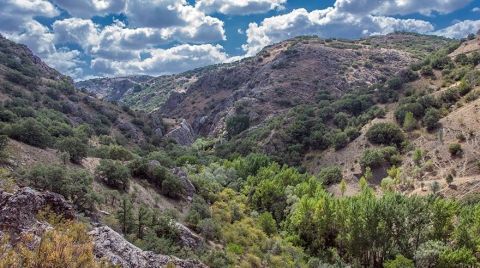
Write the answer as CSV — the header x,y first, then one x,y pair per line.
x,y
314,153
305,64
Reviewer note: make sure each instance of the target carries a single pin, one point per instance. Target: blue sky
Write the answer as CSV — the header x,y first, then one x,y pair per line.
x,y
91,38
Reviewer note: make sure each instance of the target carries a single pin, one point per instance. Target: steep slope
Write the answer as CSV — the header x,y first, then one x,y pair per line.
x,y
31,89
113,89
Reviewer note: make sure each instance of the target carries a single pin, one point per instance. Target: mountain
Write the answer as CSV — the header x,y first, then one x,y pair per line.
x,y
313,153
113,89
278,78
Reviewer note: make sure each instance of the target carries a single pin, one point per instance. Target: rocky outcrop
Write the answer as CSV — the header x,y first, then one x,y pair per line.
x,y
182,134
113,247
189,238
187,184
113,88
18,211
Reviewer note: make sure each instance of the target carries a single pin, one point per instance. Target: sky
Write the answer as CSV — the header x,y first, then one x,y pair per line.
x,y
96,38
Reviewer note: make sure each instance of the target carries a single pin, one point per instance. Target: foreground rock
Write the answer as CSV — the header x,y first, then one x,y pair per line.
x,y
18,211
112,246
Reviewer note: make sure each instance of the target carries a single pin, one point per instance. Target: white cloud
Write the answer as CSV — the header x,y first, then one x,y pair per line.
x,y
74,30
163,61
41,41
90,8
476,9
399,7
239,7
185,22
15,13
325,23
460,29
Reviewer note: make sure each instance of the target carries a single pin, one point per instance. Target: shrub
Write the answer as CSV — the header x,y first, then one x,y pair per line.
x,y
114,174
75,147
431,118
455,149
75,185
31,132
399,262
172,187
385,133
237,123
377,157
117,152
330,175
340,140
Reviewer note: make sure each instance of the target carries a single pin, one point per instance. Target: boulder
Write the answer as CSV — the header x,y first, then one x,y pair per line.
x,y
18,211
187,184
183,134
113,247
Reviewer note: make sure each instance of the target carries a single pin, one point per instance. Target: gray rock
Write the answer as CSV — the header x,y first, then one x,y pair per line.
x,y
189,238
113,247
187,184
18,211
183,134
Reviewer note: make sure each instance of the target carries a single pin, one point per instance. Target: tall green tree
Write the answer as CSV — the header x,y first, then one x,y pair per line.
x,y
125,216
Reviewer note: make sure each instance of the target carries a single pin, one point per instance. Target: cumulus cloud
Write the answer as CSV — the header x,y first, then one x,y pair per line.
x,y
239,7
163,61
41,41
476,9
75,30
90,8
15,13
325,23
399,7
460,29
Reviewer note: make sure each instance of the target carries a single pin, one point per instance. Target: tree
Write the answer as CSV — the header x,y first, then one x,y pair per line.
x,y
30,132
125,216
114,173
143,215
330,175
172,187
237,123
431,118
75,147
267,223
341,120
409,123
340,140
385,133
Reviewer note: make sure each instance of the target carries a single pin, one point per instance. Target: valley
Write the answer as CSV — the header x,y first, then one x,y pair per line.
x,y
312,153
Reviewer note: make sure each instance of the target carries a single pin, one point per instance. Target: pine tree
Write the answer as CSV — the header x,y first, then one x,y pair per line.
x,y
409,123
142,220
125,215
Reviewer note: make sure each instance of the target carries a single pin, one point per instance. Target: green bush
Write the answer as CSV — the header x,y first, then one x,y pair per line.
x,y
75,185
237,123
330,175
455,149
172,187
114,174
431,118
340,140
75,147
385,133
30,132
